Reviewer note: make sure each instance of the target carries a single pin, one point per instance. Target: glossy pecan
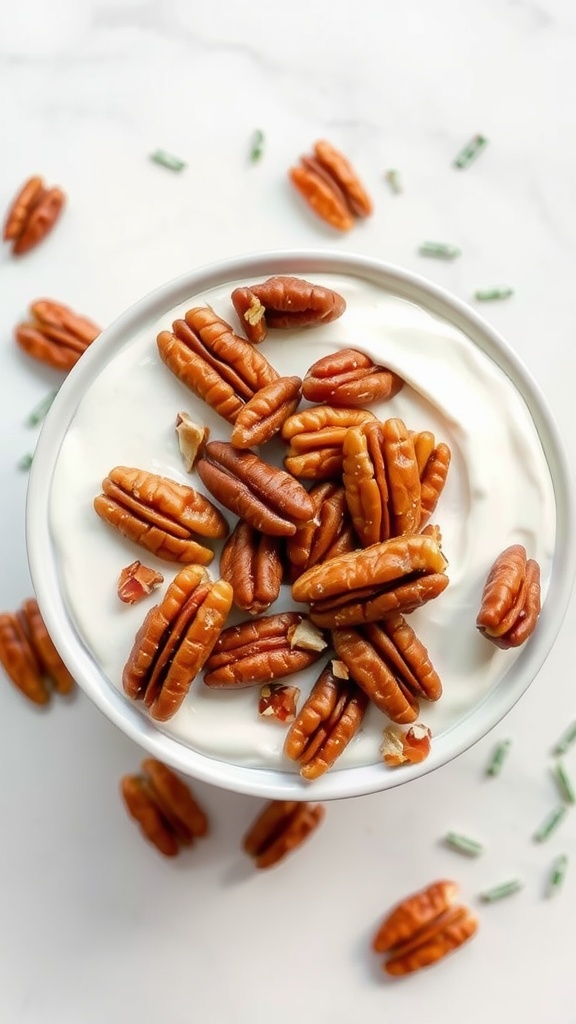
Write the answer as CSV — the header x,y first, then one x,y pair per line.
x,y
280,828
136,581
388,661
32,215
381,480
349,378
325,724
285,303
160,514
510,603
223,369
266,497
257,651
28,655
315,439
174,641
264,415
165,808
433,464
423,929
361,586
331,187
327,534
252,563
55,335
405,747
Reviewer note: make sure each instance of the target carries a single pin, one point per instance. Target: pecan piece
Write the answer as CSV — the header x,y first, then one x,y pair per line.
x,y
349,378
361,586
136,581
331,187
410,747
278,702
266,497
252,564
216,364
325,724
28,655
392,666
280,828
165,808
55,335
32,215
327,534
433,464
264,415
285,303
160,514
315,439
257,652
192,439
175,640
510,603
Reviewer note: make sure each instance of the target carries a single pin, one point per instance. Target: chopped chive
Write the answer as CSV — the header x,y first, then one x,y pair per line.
x,y
463,844
439,250
557,874
39,411
566,740
493,294
172,163
25,462
470,151
257,146
564,783
500,891
550,824
494,766
393,179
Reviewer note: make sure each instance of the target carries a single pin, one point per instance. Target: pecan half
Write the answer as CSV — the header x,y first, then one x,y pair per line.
x,y
331,187
510,603
175,640
280,828
392,666
433,464
423,929
257,652
136,581
160,514
327,534
315,439
349,378
252,563
32,215
361,586
285,302
409,747
28,655
266,497
55,336
264,415
223,369
165,808
325,724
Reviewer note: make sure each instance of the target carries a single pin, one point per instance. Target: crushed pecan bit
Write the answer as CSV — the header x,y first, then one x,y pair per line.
x,y
216,364
264,415
252,563
361,586
278,702
28,655
510,603
331,187
326,723
285,303
268,498
327,534
136,581
32,215
307,636
159,514
280,828
339,669
410,747
165,808
349,378
175,640
192,439
55,335
257,651
315,439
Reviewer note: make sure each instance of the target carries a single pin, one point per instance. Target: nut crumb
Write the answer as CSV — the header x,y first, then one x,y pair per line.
x,y
191,439
255,311
307,636
339,669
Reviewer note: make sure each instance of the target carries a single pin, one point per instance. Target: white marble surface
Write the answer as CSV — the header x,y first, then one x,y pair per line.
x,y
95,926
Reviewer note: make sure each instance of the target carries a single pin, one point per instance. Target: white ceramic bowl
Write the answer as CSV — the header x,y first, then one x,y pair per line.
x,y
46,570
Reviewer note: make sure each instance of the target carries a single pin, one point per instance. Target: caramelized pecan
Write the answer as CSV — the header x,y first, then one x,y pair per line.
x,y
280,828
327,534
175,640
433,464
32,215
56,335
165,808
315,438
266,497
264,415
349,378
28,655
510,603
257,652
285,302
252,563
160,514
331,187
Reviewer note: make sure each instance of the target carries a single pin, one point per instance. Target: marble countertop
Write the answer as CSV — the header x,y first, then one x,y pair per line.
x,y
95,925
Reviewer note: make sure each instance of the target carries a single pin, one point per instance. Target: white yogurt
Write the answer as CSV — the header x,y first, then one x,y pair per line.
x,y
499,492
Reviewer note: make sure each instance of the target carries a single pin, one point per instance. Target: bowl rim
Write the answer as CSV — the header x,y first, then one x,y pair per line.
x,y
266,782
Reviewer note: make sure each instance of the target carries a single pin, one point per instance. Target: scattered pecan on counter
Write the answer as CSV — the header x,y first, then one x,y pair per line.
x,y
28,655
331,187
55,335
32,215
285,303
165,808
279,829
510,603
